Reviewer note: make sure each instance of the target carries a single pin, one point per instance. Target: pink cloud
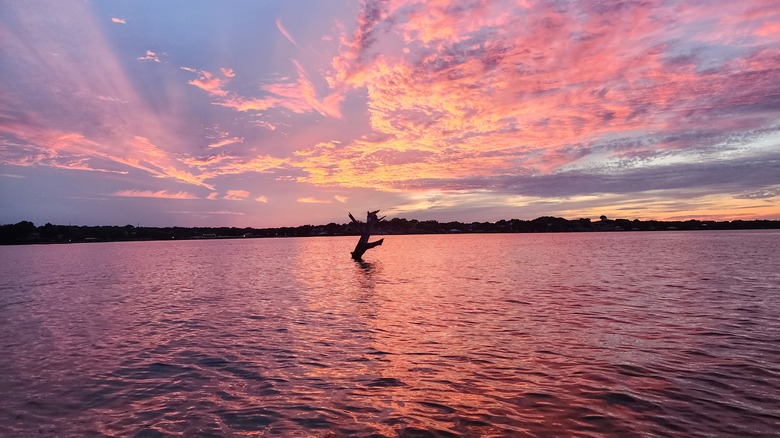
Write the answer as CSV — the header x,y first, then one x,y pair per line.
x,y
76,122
435,94
75,151
263,199
225,142
118,20
299,97
150,56
329,106
769,29
226,212
221,165
485,90
209,83
285,33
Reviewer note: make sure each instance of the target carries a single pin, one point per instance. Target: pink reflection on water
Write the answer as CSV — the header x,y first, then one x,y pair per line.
x,y
562,334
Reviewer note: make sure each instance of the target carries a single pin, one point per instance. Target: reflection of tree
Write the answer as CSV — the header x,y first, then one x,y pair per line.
x,y
367,267
366,276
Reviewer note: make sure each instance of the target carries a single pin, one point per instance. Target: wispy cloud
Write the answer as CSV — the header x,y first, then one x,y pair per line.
x,y
118,20
263,199
312,200
197,213
161,194
211,83
150,56
214,166
769,192
299,96
225,142
71,150
286,34
226,212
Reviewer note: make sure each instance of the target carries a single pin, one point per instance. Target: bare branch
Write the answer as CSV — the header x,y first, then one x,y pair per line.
x,y
363,244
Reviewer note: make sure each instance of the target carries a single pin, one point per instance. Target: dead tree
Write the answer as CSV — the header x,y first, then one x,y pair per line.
x,y
363,244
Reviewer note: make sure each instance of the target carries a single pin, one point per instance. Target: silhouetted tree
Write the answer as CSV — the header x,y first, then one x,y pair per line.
x,y
363,244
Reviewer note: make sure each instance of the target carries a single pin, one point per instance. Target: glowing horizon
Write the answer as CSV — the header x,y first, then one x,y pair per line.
x,y
277,114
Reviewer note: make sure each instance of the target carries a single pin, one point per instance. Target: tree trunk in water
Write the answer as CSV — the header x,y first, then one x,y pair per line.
x,y
363,244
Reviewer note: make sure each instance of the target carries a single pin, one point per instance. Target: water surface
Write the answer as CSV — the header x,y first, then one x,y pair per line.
x,y
616,334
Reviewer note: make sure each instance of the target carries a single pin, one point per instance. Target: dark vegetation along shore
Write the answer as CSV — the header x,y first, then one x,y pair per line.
x,y
26,232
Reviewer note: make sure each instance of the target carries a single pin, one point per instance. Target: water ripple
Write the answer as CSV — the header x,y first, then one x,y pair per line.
x,y
623,334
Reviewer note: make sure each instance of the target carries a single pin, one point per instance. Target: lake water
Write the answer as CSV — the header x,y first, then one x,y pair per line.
x,y
591,334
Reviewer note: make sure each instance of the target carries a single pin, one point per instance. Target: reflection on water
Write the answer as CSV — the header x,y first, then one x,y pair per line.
x,y
493,335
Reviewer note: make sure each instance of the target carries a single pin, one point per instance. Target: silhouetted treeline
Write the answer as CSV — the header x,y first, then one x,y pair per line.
x,y
26,232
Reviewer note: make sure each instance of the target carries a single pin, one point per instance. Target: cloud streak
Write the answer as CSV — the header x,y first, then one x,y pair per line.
x,y
160,194
286,34
312,200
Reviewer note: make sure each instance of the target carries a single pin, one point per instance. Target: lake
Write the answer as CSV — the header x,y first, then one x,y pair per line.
x,y
572,334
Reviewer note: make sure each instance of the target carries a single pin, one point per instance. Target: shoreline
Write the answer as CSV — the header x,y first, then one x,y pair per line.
x,y
26,233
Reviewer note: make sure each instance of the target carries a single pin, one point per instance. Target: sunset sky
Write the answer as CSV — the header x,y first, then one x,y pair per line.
x,y
287,112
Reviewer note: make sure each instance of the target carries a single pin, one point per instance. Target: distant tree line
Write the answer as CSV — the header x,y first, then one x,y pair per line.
x,y
26,232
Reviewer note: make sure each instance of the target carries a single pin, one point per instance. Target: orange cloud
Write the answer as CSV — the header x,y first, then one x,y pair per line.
x,y
310,200
209,83
162,194
236,195
485,91
262,199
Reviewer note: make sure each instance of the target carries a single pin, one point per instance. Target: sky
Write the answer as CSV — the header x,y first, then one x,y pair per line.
x,y
269,113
